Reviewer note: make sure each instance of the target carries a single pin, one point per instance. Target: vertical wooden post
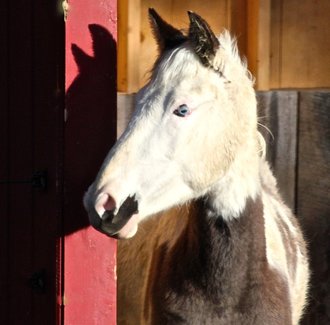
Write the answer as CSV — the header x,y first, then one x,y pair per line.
x,y
258,41
129,19
237,23
89,267
250,22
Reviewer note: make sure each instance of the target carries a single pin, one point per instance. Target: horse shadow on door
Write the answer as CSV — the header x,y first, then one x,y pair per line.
x,y
90,127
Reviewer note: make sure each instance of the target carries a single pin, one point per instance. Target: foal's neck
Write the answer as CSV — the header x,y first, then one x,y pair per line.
x,y
228,197
235,239
219,256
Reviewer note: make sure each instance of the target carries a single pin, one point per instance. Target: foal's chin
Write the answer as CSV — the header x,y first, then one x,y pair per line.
x,y
129,230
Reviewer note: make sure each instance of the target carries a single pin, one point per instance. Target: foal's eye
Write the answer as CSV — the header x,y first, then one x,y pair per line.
x,y
182,111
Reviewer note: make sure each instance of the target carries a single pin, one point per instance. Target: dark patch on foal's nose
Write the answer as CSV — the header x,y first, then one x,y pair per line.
x,y
112,223
108,215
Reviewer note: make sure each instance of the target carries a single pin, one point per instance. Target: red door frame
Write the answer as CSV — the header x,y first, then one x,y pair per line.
x,y
89,258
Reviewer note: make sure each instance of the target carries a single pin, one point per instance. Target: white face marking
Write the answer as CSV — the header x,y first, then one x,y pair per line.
x,y
188,125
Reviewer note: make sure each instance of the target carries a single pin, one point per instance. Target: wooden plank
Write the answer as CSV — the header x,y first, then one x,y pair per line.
x,y
313,196
278,113
20,157
306,44
252,15
250,23
263,44
276,44
29,238
4,165
128,45
122,60
90,130
48,103
237,23
301,44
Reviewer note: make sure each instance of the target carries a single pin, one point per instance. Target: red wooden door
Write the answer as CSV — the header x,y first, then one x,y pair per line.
x,y
54,269
90,130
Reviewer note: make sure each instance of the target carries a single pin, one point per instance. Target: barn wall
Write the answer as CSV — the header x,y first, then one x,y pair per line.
x,y
313,197
300,44
137,47
299,154
286,42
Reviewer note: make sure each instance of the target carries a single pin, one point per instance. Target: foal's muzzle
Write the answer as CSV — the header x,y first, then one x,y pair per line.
x,y
110,223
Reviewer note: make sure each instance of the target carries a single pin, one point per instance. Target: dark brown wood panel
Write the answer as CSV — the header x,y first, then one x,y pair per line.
x,y
278,124
20,106
299,152
4,164
313,197
31,113
48,120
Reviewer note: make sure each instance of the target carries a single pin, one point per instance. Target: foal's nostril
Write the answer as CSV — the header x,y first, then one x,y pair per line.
x,y
105,206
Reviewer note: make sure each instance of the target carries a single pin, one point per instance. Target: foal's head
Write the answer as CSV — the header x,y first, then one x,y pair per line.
x,y
192,121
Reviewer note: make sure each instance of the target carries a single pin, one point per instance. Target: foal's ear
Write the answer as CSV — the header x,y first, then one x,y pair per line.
x,y
204,41
167,36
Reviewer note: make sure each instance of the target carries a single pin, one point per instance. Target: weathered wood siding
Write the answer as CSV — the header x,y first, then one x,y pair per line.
x,y
278,124
300,156
313,196
300,44
287,43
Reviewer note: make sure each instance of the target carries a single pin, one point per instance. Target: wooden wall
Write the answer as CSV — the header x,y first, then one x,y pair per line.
x,y
313,197
300,157
287,43
137,49
300,44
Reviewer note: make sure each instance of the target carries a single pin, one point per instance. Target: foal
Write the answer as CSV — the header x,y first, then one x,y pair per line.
x,y
236,255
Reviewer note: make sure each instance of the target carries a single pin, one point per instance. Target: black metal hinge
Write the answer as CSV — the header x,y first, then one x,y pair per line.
x,y
37,180
37,281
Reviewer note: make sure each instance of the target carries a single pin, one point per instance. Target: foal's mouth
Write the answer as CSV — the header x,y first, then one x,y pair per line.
x,y
112,224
